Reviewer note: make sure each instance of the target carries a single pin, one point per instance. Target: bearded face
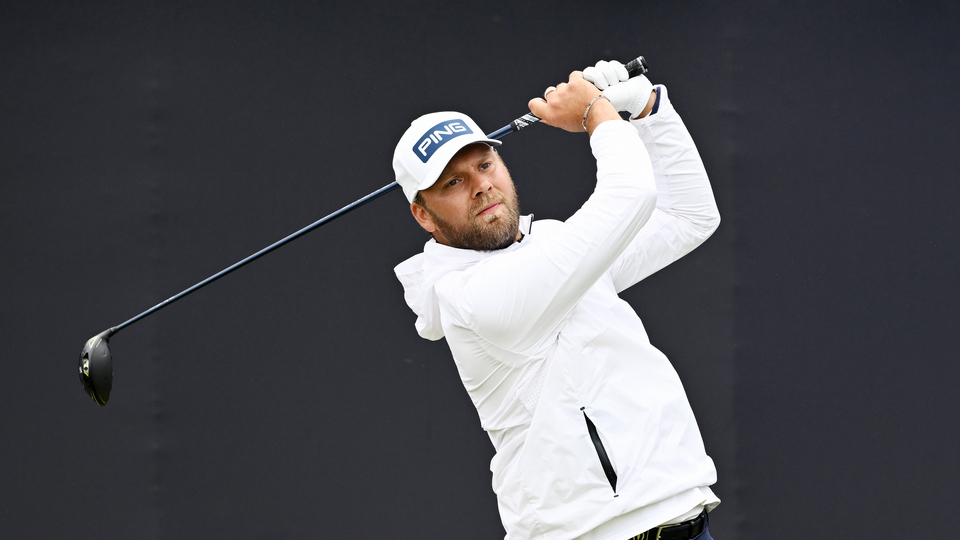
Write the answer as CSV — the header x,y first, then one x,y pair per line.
x,y
473,205
494,229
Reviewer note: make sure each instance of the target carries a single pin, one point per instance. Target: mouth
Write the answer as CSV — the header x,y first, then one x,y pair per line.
x,y
489,209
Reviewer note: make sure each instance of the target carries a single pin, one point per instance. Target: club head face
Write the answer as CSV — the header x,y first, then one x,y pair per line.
x,y
96,367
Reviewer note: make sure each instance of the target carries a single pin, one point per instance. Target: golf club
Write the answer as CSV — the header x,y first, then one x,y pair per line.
x,y
96,364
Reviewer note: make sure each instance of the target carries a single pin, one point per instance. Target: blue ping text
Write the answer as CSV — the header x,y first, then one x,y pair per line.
x,y
437,136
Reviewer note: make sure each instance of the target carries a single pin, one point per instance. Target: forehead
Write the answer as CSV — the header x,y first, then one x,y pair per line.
x,y
468,154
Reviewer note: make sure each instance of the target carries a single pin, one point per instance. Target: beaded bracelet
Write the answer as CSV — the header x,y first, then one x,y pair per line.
x,y
586,112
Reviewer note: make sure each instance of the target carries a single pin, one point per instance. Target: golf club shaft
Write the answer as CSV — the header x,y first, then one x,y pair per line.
x,y
637,66
352,206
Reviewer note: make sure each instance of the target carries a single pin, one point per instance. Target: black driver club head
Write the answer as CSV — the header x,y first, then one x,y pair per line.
x,y
96,367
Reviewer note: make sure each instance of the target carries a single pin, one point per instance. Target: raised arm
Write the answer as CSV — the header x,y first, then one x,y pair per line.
x,y
516,299
686,213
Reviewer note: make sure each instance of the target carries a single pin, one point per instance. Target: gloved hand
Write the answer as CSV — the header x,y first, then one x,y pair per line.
x,y
625,93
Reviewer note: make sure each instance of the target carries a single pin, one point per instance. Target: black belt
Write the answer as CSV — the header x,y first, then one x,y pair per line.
x,y
680,531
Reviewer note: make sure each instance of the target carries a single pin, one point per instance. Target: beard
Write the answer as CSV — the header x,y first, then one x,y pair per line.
x,y
486,232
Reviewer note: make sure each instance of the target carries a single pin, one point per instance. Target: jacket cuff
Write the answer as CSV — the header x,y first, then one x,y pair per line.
x,y
662,108
610,129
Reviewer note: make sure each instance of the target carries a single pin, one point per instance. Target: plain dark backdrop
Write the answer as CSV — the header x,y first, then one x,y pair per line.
x,y
147,145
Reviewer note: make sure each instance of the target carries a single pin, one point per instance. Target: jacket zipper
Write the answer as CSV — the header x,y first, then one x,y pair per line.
x,y
601,452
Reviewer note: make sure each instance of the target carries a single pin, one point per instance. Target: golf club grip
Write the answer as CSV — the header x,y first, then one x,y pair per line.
x,y
635,67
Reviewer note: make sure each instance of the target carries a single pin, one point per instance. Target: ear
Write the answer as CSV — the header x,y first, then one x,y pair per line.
x,y
423,217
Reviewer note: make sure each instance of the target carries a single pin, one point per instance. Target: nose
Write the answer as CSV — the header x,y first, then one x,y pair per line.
x,y
481,185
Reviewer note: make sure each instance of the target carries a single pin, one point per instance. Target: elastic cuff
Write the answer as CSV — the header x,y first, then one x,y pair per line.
x,y
661,106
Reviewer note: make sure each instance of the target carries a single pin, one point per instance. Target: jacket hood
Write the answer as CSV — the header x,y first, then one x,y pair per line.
x,y
420,273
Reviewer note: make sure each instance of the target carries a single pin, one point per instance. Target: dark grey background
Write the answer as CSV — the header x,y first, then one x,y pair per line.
x,y
145,146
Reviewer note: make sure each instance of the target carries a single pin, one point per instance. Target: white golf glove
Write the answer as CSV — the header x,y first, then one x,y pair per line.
x,y
625,93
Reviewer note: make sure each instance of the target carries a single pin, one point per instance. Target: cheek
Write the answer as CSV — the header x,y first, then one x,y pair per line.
x,y
457,205
450,213
505,185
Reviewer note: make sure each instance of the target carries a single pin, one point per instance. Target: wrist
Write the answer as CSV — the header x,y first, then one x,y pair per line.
x,y
599,111
654,96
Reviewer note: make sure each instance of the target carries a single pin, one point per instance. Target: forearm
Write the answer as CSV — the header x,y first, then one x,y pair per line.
x,y
683,187
687,212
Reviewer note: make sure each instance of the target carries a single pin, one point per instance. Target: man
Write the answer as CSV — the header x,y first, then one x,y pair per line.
x,y
593,433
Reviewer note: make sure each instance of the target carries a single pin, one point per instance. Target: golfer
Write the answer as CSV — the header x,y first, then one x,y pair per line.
x,y
594,436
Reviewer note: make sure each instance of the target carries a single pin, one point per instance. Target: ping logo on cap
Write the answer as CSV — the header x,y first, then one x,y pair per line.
x,y
437,136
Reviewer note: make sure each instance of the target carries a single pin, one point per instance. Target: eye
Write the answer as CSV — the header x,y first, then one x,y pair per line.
x,y
485,165
453,182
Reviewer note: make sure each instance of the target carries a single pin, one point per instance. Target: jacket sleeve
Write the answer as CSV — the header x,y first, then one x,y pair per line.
x,y
686,212
515,300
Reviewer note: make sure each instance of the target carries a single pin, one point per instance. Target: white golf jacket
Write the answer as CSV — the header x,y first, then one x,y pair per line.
x,y
542,340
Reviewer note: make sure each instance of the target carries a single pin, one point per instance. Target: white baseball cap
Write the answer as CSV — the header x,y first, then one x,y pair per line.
x,y
429,144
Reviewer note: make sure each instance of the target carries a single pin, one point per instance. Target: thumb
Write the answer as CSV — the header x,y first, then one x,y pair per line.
x,y
538,106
